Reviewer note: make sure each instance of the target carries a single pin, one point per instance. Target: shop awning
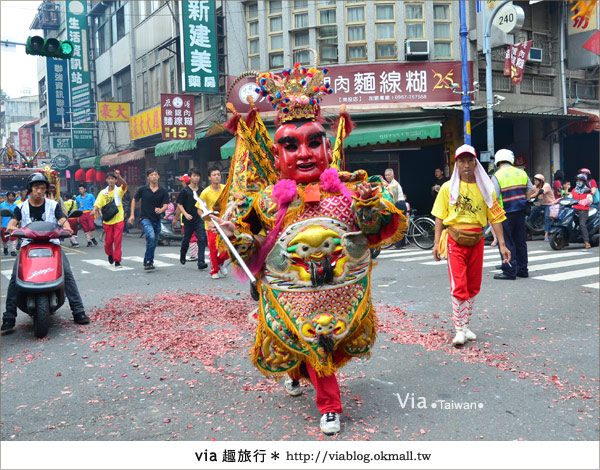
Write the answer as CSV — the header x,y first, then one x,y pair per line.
x,y
584,127
172,146
90,162
373,133
122,157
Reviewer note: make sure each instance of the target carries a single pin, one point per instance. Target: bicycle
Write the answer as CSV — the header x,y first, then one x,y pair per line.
x,y
421,230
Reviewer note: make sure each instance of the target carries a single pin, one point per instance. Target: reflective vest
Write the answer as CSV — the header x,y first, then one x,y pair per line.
x,y
47,216
513,188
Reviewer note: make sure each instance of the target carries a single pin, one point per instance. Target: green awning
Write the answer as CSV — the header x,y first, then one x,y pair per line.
x,y
373,133
172,146
90,162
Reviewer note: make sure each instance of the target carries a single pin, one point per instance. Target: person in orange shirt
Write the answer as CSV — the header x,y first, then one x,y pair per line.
x,y
210,195
464,205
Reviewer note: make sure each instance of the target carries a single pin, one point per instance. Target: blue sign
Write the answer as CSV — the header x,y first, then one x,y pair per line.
x,y
57,74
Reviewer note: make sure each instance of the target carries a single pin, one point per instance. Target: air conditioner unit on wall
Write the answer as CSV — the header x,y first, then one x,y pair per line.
x,y
417,48
535,55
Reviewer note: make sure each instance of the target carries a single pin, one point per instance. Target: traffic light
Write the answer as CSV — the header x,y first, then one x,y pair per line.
x,y
50,47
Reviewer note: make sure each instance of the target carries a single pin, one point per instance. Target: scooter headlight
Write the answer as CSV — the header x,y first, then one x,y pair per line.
x,y
40,253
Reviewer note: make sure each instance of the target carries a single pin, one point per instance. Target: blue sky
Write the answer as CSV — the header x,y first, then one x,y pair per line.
x,y
18,70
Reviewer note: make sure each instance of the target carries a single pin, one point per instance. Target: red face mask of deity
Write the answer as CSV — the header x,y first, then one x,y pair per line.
x,y
302,151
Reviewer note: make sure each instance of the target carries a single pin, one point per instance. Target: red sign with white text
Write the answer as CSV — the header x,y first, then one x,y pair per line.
x,y
411,83
177,114
25,144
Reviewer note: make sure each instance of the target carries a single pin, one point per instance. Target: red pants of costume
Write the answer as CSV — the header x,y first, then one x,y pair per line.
x,y
87,222
112,240
74,226
216,259
465,267
327,390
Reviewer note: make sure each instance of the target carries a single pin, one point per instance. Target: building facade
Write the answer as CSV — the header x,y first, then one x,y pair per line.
x,y
395,65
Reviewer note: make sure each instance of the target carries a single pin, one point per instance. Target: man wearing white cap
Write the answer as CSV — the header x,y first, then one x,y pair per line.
x,y
464,205
513,187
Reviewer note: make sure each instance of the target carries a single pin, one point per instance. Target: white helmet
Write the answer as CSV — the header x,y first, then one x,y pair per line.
x,y
504,155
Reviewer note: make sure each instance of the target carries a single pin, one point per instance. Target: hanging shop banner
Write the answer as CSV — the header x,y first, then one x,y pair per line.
x,y
79,74
113,111
199,46
514,61
177,113
145,124
25,144
57,75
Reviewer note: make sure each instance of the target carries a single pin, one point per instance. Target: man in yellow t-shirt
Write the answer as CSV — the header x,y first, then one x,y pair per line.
x,y
113,228
464,205
210,195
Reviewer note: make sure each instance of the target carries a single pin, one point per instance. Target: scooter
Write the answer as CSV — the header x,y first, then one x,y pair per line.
x,y
167,234
565,228
534,227
40,278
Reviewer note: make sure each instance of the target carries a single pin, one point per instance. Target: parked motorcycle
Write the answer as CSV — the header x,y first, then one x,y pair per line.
x,y
40,278
565,227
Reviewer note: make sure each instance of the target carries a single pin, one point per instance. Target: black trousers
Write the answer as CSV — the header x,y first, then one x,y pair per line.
x,y
189,228
71,291
515,238
583,217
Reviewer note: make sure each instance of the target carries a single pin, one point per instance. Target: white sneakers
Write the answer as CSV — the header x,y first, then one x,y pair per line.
x,y
460,337
469,334
330,423
215,276
292,387
223,271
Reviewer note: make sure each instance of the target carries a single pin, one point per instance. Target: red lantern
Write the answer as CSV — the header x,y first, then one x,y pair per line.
x,y
100,176
90,175
80,175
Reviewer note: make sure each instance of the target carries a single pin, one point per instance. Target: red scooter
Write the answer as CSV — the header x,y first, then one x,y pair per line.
x,y
40,283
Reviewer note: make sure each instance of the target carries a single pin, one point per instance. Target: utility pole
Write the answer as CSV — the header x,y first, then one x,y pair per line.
x,y
466,98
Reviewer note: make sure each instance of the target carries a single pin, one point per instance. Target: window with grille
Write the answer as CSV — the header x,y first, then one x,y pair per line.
x,y
385,31
275,25
536,85
253,36
105,90
123,82
582,90
327,33
542,42
356,41
500,82
442,31
414,21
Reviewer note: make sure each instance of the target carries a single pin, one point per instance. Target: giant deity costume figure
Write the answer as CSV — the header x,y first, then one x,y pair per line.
x,y
304,230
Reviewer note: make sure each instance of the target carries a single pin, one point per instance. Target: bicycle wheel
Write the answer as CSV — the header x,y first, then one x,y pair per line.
x,y
423,232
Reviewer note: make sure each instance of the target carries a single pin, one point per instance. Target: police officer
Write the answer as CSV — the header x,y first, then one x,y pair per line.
x,y
513,188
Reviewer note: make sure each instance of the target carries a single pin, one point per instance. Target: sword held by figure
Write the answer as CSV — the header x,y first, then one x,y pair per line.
x,y
209,215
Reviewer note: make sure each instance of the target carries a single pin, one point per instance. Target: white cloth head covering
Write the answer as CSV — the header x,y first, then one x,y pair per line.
x,y
481,178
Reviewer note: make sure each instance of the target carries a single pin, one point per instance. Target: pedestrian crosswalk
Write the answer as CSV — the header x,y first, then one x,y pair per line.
x,y
573,264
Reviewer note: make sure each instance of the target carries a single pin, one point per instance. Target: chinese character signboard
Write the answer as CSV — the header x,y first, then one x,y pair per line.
x,y
57,73
61,143
199,46
177,113
145,124
374,86
113,111
514,62
79,74
25,144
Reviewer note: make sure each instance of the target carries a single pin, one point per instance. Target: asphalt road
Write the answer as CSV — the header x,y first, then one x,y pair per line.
x,y
166,358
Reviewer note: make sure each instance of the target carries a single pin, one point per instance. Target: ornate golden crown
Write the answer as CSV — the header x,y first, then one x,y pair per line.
x,y
295,94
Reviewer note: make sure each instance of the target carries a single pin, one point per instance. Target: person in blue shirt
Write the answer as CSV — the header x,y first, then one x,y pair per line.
x,y
10,243
85,202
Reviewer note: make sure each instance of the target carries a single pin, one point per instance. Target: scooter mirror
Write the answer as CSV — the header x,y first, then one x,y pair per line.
x,y
7,213
76,213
